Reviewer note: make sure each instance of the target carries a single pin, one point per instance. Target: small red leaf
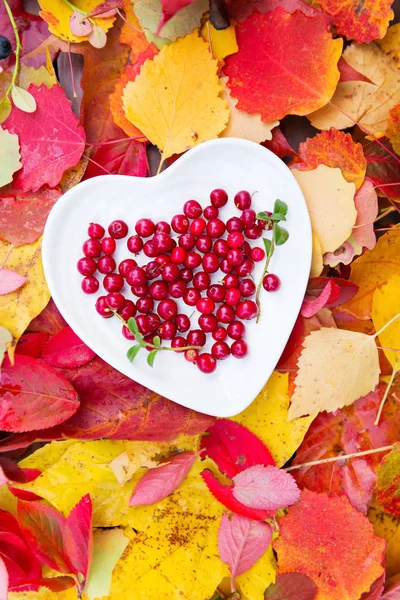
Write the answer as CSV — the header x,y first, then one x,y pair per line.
x,y
234,448
11,472
10,281
279,144
158,483
78,536
125,157
348,289
27,475
32,344
56,584
64,349
291,586
241,542
312,304
265,488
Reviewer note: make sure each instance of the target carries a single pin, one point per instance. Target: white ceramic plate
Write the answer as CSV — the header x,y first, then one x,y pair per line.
x,y
231,164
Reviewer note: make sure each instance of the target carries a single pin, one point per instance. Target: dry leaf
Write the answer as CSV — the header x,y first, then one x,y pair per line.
x,y
385,306
222,41
390,44
149,12
9,156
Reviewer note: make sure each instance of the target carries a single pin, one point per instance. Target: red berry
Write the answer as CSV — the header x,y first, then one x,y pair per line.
x,y
271,282
257,254
218,198
247,310
221,248
208,323
182,322
128,310
176,289
248,217
246,248
206,363
115,300
118,229
145,228
106,264
196,337
108,245
178,342
191,355
201,281
167,309
225,266
233,296
86,266
126,265
178,255
215,228
242,200
219,334
154,322
197,226
192,209
186,275
103,308
145,304
158,290
180,223
163,227
235,257
187,241
162,259
134,244
90,285
239,349
220,350
167,330
210,262
162,242
140,290
226,313
204,244
266,225
231,281
136,276
211,212
206,306
253,233
113,282
247,287
235,239
236,330
96,231
152,270
234,224
91,248
127,334
149,249
191,297
193,260
245,268
216,292
143,324
170,272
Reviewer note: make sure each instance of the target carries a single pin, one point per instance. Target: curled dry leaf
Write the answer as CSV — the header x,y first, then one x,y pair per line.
x,y
265,488
9,156
10,281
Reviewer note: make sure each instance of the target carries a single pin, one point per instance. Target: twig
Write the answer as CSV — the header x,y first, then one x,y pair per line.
x,y
323,461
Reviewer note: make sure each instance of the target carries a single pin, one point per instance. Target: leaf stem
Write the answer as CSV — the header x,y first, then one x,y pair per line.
x,y
324,461
382,329
265,270
17,49
386,394
75,8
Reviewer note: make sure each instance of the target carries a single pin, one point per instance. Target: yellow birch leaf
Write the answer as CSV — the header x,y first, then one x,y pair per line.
x,y
244,125
385,306
29,75
336,367
390,44
222,41
330,202
19,308
43,458
175,99
57,14
9,156
267,418
45,594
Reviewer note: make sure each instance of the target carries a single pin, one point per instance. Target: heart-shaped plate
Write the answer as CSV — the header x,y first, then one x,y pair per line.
x,y
234,165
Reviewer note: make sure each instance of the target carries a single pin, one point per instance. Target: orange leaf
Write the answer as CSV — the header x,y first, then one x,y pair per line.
x,y
361,22
131,32
393,128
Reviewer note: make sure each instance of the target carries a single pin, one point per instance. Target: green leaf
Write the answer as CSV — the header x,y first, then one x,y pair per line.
x,y
263,216
23,99
150,357
280,207
133,328
280,235
5,108
133,352
278,217
267,245
157,341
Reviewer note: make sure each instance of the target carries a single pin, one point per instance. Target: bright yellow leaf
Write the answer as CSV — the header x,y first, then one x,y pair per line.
x,y
222,41
267,418
45,594
19,308
388,527
28,76
385,305
175,100
391,43
108,546
47,456
57,14
336,367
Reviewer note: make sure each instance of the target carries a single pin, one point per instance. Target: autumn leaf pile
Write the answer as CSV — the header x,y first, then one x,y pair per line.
x,y
108,490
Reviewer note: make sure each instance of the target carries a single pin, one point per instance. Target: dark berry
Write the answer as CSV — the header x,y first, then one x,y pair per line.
x,y
5,47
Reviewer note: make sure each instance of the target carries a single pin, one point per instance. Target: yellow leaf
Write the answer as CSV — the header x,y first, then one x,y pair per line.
x,y
108,546
174,101
385,305
57,14
388,527
45,594
19,308
267,418
5,341
185,20
48,455
9,156
336,367
363,102
222,41
330,202
259,577
391,43
243,125
317,260
29,75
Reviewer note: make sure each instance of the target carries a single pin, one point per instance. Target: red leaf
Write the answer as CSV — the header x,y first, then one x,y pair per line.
x,y
3,581
169,9
376,591
328,296
31,344
43,527
51,139
241,9
127,157
293,344
392,592
291,586
159,482
56,584
241,542
23,216
65,349
382,168
348,290
21,564
27,475
234,448
33,395
49,321
11,472
347,73
106,9
265,488
279,144
78,536
10,281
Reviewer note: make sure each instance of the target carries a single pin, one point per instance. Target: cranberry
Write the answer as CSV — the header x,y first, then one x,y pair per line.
x,y
248,217
204,244
226,313
215,228
225,266
103,308
196,337
242,200
245,268
86,266
234,224
91,248
186,275
247,287
193,260
128,310
163,227
257,254
176,289
208,323
154,322
90,285
96,231
126,333
152,270
145,304
197,226
271,282
162,259
182,322
134,244
210,262
206,363
219,334
143,324
180,223
233,296
118,229
206,306
218,198
253,233
115,300
113,282
211,212
150,250
178,255
231,281
178,342
220,350
162,242
246,248
126,265
136,276
216,292
158,290
140,290
106,264
149,338
170,272
167,330
187,241
221,248
247,310
266,225
235,257
145,228
108,245
191,355
235,239
192,209
167,309
191,297
201,281
239,349
236,330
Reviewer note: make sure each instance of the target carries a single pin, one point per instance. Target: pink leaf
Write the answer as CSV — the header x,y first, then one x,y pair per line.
x,y
3,581
241,542
10,281
234,448
169,8
106,9
158,483
316,286
79,24
291,586
268,488
78,536
312,304
65,349
392,592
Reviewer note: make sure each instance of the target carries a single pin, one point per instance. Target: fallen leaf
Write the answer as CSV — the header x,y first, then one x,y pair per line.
x,y
241,9
388,482
291,586
310,537
49,321
31,344
23,99
205,114
74,175
390,43
79,25
59,144
78,536
66,349
131,32
347,73
97,37
387,527
150,14
384,308
362,25
336,367
9,156
383,168
310,75
265,488
329,295
10,281
279,144
393,128
108,547
222,41
126,157
5,341
169,9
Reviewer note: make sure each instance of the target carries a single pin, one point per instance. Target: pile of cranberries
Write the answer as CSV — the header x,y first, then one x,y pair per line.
x,y
184,255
